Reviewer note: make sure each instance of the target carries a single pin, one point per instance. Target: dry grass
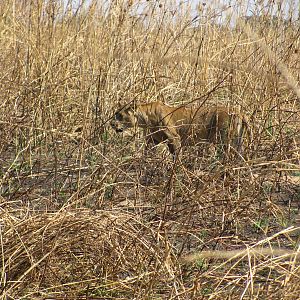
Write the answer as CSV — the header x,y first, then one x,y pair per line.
x,y
91,215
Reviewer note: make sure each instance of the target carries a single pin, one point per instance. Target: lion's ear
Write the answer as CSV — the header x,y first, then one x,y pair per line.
x,y
119,106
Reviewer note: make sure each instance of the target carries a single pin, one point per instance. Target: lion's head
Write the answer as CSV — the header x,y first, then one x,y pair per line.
x,y
123,119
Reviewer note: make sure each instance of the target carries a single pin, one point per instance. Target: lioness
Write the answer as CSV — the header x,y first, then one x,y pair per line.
x,y
182,126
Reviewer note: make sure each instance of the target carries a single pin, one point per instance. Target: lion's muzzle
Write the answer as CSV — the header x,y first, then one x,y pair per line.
x,y
116,126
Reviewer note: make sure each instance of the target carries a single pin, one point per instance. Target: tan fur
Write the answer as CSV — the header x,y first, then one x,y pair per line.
x,y
183,126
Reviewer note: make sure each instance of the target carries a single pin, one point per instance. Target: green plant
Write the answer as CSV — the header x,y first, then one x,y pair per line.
x,y
261,225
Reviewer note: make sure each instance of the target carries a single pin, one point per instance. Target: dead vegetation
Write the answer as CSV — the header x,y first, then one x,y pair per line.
x,y
87,214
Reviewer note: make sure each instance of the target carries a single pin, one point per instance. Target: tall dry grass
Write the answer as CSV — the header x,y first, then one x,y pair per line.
x,y
86,213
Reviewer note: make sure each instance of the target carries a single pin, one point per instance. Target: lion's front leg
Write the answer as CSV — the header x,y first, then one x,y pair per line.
x,y
150,140
174,143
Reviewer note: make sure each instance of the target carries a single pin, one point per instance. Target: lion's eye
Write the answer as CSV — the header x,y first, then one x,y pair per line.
x,y
118,117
